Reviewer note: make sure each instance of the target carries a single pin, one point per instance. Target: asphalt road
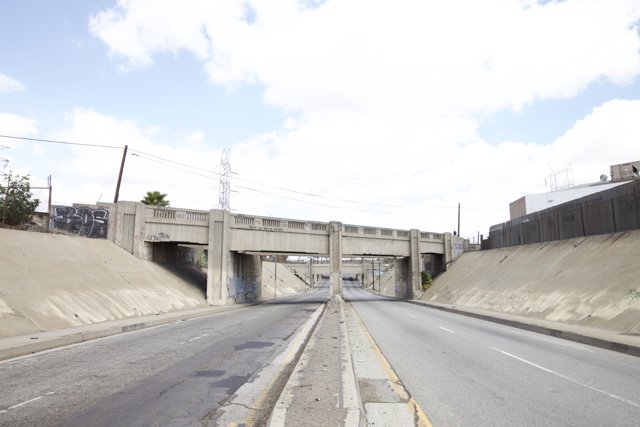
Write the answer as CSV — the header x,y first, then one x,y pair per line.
x,y
469,372
176,374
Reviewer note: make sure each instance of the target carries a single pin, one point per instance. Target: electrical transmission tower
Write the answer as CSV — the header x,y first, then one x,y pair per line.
x,y
224,199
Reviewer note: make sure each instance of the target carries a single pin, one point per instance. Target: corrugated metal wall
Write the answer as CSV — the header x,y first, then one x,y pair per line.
x,y
610,211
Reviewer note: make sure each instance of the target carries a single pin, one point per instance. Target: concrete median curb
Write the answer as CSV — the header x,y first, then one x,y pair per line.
x,y
253,402
383,397
533,326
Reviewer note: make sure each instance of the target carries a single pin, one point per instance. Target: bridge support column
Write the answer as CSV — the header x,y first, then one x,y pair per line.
x,y
219,257
232,277
335,256
402,278
448,250
416,279
312,280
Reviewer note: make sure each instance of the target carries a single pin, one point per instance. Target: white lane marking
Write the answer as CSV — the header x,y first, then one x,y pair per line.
x,y
445,329
412,316
197,338
606,393
252,318
26,402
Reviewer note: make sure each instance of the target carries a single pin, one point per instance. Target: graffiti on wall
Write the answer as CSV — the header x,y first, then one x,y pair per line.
x,y
81,221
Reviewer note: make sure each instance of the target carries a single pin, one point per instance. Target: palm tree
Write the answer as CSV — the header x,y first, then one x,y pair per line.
x,y
155,198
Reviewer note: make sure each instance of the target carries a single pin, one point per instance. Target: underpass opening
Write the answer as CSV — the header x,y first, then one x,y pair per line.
x,y
187,261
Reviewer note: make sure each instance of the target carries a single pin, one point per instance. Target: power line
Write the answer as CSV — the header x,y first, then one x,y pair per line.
x,y
143,154
60,142
168,162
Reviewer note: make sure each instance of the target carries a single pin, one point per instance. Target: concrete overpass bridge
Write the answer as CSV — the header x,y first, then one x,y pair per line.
x,y
313,271
236,242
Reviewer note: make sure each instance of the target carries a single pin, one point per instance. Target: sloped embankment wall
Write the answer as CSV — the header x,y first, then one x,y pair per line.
x,y
51,281
591,281
279,281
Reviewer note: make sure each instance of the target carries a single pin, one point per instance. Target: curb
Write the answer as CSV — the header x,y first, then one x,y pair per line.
x,y
133,324
253,398
619,347
396,406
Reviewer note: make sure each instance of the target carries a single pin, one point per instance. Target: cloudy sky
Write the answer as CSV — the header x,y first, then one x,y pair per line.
x,y
383,113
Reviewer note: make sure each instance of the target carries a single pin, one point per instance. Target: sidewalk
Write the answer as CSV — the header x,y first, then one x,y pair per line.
x,y
22,345
629,344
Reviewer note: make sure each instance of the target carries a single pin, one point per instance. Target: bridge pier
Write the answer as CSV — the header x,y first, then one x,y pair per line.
x,y
415,279
403,278
335,256
232,277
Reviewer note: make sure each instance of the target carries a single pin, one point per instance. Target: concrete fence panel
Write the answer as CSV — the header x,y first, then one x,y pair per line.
x,y
531,231
570,223
598,218
609,211
548,227
626,211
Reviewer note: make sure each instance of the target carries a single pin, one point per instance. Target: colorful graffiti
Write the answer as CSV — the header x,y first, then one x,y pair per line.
x,y
81,221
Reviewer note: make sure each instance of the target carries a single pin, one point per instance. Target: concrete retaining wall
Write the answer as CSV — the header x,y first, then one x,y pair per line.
x,y
51,281
589,281
280,282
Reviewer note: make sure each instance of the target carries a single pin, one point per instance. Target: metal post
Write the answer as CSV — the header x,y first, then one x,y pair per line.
x,y
379,277
49,206
6,198
373,275
275,277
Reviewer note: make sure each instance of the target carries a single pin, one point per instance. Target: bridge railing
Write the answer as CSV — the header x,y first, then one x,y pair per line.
x,y
201,218
388,233
349,229
430,236
293,225
277,224
177,216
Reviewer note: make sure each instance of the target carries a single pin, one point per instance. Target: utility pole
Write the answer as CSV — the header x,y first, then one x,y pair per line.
x,y
124,157
458,219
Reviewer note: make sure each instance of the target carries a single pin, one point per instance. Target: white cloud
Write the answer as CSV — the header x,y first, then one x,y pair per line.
x,y
609,135
409,55
15,125
7,84
86,174
385,98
